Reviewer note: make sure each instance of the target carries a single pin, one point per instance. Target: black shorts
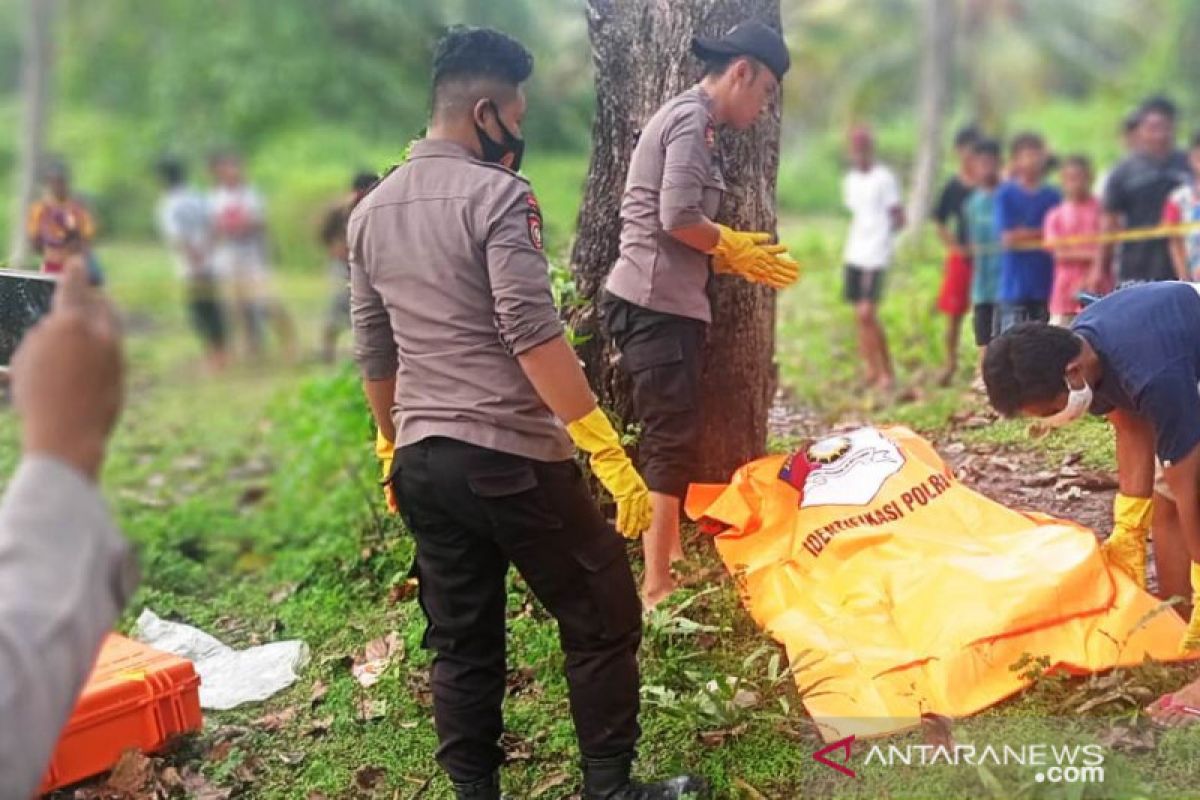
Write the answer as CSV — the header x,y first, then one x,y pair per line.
x,y
663,355
207,312
863,285
984,321
1015,313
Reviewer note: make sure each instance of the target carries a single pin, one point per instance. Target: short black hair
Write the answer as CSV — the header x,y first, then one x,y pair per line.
x,y
1026,140
986,147
171,170
363,180
719,64
1027,365
1078,160
466,54
1158,104
967,136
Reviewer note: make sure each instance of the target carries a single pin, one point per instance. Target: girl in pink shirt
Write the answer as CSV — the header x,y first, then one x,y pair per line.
x,y
1077,217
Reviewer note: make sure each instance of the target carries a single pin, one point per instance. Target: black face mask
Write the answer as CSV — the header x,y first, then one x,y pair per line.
x,y
494,151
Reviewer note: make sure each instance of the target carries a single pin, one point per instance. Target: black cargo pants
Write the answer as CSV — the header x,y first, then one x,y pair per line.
x,y
664,355
472,511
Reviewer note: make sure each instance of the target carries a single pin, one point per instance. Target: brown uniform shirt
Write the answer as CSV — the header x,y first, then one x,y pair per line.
x,y
674,180
448,285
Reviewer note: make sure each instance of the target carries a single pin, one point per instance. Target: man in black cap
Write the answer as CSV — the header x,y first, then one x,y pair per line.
x,y
657,308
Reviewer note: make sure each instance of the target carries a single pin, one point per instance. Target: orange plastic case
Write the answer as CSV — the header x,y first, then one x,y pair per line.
x,y
137,697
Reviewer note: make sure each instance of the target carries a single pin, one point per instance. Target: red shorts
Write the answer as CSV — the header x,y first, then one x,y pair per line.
x,y
955,296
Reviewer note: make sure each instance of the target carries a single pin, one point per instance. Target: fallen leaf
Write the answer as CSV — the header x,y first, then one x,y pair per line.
x,y
367,709
198,787
937,730
251,496
275,721
516,748
282,593
319,727
367,778
551,781
403,591
1128,738
376,658
293,757
744,698
716,738
131,773
219,752
319,690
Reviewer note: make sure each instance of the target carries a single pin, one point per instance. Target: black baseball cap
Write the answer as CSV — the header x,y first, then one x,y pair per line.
x,y
752,39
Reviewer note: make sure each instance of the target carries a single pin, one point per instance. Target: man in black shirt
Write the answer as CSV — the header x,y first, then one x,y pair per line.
x,y
1136,191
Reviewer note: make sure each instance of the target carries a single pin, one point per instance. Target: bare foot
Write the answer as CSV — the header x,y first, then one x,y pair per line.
x,y
1178,708
655,591
886,384
946,376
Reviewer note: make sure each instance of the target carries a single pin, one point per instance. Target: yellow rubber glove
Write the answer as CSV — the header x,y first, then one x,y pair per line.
x,y
1191,639
750,254
385,450
595,435
1126,548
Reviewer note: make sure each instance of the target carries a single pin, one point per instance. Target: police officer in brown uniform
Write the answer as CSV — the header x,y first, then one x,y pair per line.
x,y
657,309
467,370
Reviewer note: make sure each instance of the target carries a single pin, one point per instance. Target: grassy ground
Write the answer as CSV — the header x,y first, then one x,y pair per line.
x,y
251,502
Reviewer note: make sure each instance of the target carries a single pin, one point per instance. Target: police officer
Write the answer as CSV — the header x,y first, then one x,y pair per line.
x,y
657,309
467,370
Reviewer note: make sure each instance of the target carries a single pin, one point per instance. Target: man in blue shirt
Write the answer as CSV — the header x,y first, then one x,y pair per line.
x,y
1133,357
1022,204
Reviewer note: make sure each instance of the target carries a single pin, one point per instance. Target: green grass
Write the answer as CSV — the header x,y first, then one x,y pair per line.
x,y
316,560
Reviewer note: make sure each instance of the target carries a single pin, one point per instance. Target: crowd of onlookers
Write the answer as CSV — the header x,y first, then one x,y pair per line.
x,y
1019,248
218,238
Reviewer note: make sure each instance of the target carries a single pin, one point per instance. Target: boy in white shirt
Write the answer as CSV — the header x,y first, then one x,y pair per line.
x,y
871,193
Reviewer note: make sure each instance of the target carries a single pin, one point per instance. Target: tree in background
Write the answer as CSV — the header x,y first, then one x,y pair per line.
x,y
642,57
933,103
37,68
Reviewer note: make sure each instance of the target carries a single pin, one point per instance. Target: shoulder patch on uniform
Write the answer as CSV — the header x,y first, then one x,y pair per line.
x,y
534,217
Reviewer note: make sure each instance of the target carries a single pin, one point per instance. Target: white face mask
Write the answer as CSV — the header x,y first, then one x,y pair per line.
x,y
1078,402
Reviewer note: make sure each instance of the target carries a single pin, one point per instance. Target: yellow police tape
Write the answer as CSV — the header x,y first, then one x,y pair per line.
x,y
897,591
1112,237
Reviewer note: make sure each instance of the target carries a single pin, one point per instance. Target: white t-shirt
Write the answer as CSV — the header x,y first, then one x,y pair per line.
x,y
183,222
244,256
870,197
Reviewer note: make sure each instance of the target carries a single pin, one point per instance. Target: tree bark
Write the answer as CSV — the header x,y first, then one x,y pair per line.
x,y
37,66
937,64
642,57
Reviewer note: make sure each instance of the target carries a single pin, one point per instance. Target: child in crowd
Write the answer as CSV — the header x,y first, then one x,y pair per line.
x,y
59,224
1022,204
871,193
955,296
1077,218
240,254
980,211
1183,208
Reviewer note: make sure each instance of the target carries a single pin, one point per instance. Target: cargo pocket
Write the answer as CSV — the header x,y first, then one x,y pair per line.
x,y
610,585
509,493
661,382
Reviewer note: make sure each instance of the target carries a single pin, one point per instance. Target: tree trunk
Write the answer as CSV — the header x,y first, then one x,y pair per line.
x,y
937,64
36,72
642,57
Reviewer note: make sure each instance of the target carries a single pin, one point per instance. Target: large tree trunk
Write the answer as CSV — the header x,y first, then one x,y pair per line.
x,y
36,73
937,65
642,57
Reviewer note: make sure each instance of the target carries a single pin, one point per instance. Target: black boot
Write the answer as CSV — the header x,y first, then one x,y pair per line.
x,y
608,779
486,789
